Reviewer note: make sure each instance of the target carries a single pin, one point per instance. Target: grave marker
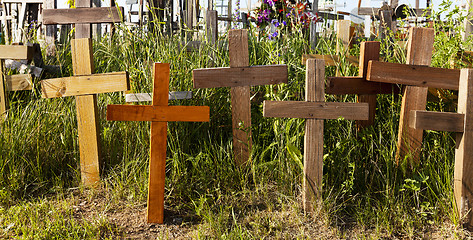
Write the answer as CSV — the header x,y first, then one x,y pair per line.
x,y
82,61
460,122
148,97
314,109
85,85
159,113
239,76
15,82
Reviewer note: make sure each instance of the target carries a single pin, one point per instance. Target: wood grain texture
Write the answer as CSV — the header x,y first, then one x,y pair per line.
x,y
82,15
315,110
419,52
413,75
148,97
463,176
330,60
314,137
18,82
239,76
3,95
16,52
368,51
158,113
157,172
345,33
437,121
85,85
161,84
358,85
241,105
87,115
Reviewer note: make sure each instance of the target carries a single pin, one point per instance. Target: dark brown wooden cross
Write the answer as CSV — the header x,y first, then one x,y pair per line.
x,y
461,123
358,85
12,82
239,76
314,109
418,77
82,59
159,113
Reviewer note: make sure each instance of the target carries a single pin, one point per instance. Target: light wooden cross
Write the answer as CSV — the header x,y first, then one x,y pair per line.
x,y
239,76
159,113
462,123
148,97
82,60
358,85
12,82
418,77
314,109
85,85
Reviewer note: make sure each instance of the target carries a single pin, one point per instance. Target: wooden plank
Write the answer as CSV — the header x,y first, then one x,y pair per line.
x,y
374,11
330,60
463,173
83,15
413,75
16,52
18,82
3,95
211,24
358,85
241,105
419,52
345,33
437,121
158,113
239,76
87,115
315,110
147,97
314,137
157,172
85,85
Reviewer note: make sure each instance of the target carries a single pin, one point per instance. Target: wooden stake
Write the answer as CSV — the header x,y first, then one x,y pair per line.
x,y
368,51
3,97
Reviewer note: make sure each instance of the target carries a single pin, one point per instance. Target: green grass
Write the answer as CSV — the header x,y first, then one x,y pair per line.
x,y
366,194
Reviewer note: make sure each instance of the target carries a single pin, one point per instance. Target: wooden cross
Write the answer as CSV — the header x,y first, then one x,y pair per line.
x,y
314,109
462,123
418,77
358,85
85,85
13,82
83,65
239,76
148,97
159,113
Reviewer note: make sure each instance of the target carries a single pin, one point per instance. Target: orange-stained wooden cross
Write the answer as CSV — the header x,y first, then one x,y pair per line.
x,y
13,82
418,77
85,85
314,109
358,85
159,113
461,123
239,76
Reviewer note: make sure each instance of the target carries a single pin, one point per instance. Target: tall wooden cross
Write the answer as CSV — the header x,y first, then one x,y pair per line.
x,y
82,59
418,77
13,82
314,109
239,76
358,85
461,123
159,113
85,85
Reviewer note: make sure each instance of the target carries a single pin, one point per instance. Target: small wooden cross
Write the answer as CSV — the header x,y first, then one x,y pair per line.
x,y
13,82
159,113
83,64
239,76
314,109
418,76
358,85
462,123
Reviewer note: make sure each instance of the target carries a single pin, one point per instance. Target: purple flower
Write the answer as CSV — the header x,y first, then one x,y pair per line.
x,y
275,22
284,23
273,35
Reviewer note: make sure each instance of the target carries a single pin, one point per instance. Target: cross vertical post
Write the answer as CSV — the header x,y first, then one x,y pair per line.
x,y
314,110
159,113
